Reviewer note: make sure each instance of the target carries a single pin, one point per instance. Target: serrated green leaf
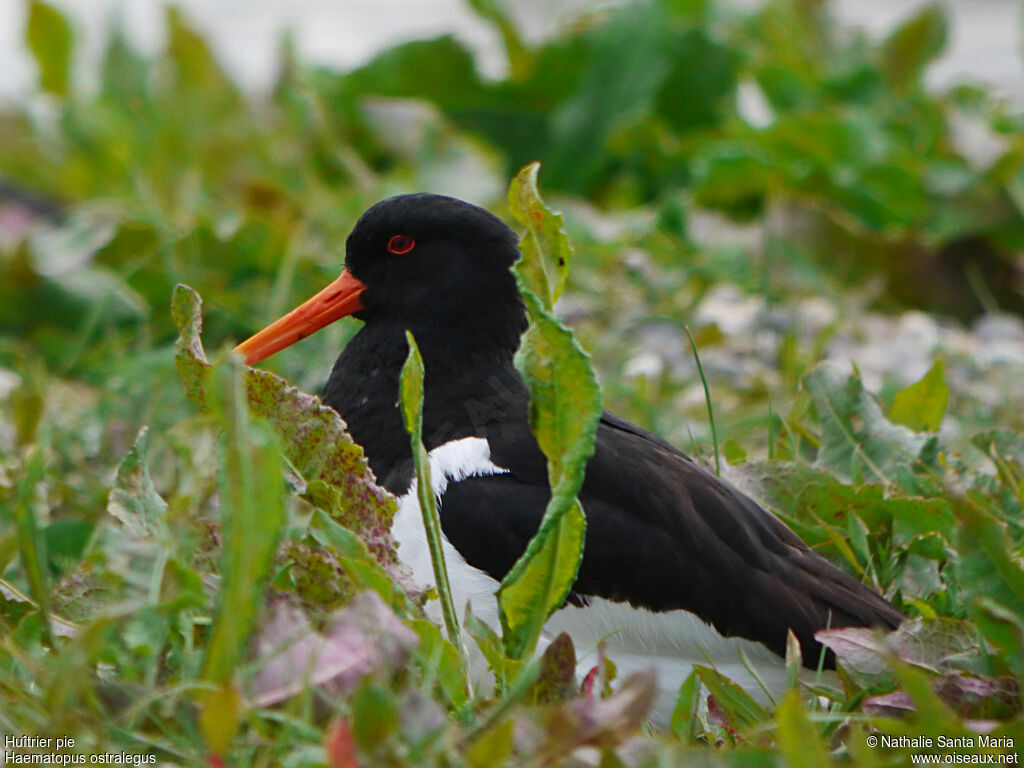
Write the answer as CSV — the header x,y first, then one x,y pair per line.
x,y
189,356
565,408
543,267
48,35
922,405
816,504
313,436
540,580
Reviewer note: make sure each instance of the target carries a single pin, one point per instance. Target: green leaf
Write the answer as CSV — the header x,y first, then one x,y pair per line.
x,y
133,499
332,467
857,442
252,504
922,405
557,679
620,85
219,718
519,58
913,45
48,35
799,740
544,265
30,541
540,580
493,747
565,408
989,566
66,541
684,714
737,705
411,388
817,505
189,356
505,669
374,714
439,662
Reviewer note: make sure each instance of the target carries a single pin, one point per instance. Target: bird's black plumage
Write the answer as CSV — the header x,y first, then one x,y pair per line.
x,y
662,533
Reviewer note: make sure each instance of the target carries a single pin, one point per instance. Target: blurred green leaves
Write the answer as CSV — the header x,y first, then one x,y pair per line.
x,y
50,39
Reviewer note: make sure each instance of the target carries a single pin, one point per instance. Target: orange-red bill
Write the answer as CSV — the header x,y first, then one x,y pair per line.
x,y
334,302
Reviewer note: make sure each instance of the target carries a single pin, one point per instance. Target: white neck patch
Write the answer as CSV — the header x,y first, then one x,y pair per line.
x,y
457,460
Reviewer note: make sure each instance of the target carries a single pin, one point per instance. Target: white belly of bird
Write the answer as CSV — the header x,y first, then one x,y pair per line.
x,y
635,638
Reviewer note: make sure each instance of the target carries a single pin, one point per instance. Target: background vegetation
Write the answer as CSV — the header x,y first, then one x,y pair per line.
x,y
842,219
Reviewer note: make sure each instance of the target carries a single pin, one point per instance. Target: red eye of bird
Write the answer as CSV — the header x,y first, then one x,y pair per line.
x,y
401,244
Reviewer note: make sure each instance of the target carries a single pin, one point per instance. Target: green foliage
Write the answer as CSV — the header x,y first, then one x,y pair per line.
x,y
411,399
49,37
252,497
565,406
922,405
171,527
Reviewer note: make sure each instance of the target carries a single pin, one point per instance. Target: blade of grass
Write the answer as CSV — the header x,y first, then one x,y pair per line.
x,y
707,398
30,542
412,413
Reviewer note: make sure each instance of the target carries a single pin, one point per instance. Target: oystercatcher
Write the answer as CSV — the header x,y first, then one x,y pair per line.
x,y
678,568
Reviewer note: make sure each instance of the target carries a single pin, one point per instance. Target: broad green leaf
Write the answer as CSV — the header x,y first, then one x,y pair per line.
x,y
314,439
49,37
198,74
360,566
544,266
252,504
857,442
922,405
411,391
565,407
799,740
738,706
